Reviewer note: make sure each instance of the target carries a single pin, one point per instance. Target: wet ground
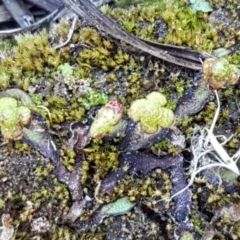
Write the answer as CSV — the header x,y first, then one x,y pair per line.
x,y
57,188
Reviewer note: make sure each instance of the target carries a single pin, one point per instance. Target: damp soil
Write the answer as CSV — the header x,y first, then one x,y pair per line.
x,y
38,202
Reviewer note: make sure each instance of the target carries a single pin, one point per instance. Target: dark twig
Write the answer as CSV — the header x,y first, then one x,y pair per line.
x,y
48,5
7,33
19,12
86,10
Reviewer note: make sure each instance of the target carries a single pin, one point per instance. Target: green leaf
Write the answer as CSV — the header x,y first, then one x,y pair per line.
x,y
121,206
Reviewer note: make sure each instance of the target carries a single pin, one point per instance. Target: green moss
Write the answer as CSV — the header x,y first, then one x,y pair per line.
x,y
60,31
103,156
149,189
5,78
40,172
61,110
37,99
56,101
187,236
93,98
165,147
2,203
68,157
6,46
111,72
179,18
33,55
194,219
206,115
66,69
234,59
101,54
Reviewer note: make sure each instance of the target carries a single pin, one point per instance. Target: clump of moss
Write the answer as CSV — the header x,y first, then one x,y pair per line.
x,y
179,18
102,52
149,189
234,58
31,56
165,147
68,157
2,203
92,98
102,155
59,32
139,19
225,20
61,110
194,219
182,19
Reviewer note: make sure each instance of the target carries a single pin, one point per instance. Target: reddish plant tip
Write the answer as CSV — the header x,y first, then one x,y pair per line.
x,y
116,106
107,118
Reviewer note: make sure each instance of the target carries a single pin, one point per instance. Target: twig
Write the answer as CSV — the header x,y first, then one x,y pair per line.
x,y
70,33
19,12
86,10
7,33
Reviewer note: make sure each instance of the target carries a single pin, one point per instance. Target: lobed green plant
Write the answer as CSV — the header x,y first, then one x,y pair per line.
x,y
13,117
218,72
107,119
151,113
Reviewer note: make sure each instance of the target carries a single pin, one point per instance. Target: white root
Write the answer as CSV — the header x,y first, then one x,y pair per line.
x,y
70,33
209,153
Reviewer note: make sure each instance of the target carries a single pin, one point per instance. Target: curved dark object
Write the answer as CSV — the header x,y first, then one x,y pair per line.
x,y
180,52
19,12
135,161
48,5
183,201
85,9
194,99
135,139
7,33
